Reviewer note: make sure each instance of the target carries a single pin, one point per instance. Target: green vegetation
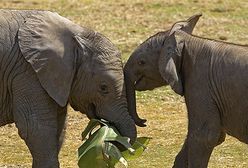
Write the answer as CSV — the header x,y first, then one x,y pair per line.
x,y
99,147
127,23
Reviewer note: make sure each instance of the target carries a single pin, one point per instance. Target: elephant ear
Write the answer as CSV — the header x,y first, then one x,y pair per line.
x,y
171,53
187,26
170,63
46,42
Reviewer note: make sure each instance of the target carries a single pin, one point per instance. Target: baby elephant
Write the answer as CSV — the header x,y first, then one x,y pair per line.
x,y
211,75
48,62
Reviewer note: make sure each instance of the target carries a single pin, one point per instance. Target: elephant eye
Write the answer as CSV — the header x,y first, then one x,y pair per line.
x,y
141,62
104,89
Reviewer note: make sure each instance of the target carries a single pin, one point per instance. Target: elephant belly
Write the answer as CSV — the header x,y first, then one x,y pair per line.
x,y
235,105
236,124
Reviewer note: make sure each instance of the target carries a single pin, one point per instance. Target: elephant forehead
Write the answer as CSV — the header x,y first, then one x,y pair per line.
x,y
113,75
107,62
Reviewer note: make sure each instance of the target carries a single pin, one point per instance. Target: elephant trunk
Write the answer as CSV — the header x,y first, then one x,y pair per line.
x,y
131,100
126,126
120,118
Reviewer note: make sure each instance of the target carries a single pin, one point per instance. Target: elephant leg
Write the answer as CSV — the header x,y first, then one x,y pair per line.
x,y
35,116
197,148
181,160
204,134
61,126
200,150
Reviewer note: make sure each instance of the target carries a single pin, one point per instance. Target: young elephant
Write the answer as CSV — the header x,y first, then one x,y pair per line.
x,y
211,75
46,62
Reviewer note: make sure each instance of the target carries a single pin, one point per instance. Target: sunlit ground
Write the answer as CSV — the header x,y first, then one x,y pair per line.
x,y
128,23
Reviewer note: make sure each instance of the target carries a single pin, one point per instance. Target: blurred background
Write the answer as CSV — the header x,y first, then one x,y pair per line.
x,y
127,23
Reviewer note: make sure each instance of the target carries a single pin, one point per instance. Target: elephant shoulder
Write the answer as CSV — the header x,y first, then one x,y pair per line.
x,y
10,22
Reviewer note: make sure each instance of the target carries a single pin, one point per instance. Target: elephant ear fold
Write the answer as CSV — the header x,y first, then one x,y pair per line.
x,y
187,26
170,63
46,42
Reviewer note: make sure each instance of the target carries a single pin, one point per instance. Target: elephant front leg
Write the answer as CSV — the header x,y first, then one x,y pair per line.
x,y
203,135
36,117
205,130
39,129
61,119
198,147
43,146
181,160
201,144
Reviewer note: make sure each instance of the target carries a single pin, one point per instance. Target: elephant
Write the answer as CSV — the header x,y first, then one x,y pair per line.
x,y
210,74
47,62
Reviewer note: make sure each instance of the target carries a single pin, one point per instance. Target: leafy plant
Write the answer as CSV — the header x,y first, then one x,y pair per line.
x,y
99,149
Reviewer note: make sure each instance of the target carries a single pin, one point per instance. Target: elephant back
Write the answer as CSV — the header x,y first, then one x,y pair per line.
x,y
10,21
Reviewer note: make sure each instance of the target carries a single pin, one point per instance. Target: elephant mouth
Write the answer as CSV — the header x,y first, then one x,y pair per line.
x,y
136,83
91,113
147,83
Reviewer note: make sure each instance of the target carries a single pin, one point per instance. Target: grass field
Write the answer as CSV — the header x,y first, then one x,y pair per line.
x,y
127,23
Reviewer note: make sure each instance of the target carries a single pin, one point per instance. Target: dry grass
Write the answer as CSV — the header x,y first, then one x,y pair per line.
x,y
127,23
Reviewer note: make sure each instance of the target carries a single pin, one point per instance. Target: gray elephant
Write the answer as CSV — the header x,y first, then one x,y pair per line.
x,y
46,62
211,75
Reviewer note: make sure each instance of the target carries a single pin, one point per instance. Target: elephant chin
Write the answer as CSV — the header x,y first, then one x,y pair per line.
x,y
148,84
91,113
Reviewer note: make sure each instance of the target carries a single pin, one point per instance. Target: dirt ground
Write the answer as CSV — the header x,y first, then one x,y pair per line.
x,y
127,23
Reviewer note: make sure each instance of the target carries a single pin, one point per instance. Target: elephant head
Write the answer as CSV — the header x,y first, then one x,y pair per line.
x,y
148,67
78,66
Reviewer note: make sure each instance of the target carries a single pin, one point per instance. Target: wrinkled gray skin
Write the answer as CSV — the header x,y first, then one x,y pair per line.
x,y
46,62
211,75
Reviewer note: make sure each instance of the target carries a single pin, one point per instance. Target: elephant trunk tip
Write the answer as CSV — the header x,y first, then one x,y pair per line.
x,y
140,122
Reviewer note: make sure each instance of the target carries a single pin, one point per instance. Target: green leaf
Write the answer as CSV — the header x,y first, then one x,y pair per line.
x,y
93,159
91,125
122,140
139,146
99,151
114,153
96,140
